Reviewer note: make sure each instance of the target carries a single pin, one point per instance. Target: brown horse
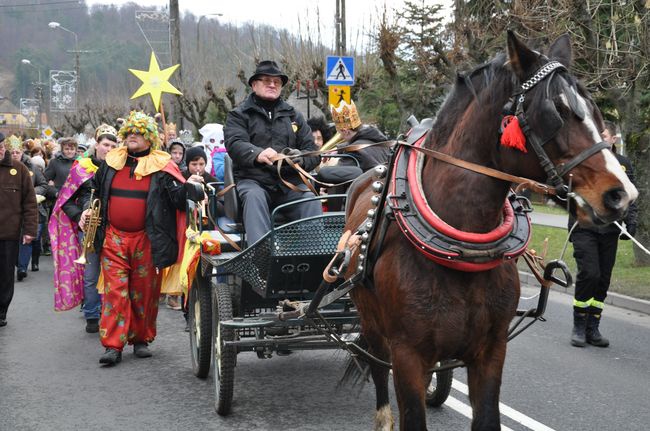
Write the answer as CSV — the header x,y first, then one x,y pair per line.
x,y
416,312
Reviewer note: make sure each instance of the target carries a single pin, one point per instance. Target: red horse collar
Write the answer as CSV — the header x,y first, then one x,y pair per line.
x,y
442,243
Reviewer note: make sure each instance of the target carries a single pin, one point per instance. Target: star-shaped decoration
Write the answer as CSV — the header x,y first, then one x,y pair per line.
x,y
155,81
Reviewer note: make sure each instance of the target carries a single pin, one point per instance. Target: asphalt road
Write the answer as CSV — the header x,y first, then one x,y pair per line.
x,y
50,379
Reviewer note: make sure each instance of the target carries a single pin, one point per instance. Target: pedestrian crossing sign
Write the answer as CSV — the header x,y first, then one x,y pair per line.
x,y
339,70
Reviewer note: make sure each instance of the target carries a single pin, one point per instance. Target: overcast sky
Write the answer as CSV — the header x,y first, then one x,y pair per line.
x,y
284,13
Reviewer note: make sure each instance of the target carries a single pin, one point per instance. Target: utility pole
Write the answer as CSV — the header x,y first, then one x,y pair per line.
x,y
175,34
340,27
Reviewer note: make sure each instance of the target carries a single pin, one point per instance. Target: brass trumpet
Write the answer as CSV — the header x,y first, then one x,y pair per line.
x,y
332,143
90,229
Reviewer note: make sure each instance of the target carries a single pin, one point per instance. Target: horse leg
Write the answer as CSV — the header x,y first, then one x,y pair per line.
x,y
484,382
377,346
409,376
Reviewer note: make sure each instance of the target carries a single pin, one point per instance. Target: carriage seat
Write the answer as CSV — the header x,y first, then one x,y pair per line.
x,y
231,203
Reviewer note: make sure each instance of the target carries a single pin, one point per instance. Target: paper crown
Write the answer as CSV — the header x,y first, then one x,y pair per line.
x,y
345,116
105,129
140,123
170,127
13,142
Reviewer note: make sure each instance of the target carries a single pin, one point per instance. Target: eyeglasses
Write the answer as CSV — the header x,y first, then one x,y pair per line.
x,y
268,81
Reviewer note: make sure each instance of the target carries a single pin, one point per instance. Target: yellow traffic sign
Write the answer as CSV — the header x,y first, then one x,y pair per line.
x,y
48,132
337,93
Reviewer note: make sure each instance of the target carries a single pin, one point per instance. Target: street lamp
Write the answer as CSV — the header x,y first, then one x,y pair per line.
x,y
198,24
39,89
55,25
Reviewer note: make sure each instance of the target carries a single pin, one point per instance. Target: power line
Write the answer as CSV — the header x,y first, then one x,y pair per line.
x,y
42,4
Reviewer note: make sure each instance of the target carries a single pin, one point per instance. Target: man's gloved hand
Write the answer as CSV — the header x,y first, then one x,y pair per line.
x,y
294,152
631,229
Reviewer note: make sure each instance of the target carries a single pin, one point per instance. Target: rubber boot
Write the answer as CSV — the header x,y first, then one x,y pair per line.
x,y
578,335
594,337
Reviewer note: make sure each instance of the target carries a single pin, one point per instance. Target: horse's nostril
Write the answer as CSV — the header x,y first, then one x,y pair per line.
x,y
614,199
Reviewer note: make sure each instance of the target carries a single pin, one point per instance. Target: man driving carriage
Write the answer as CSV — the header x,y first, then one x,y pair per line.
x,y
256,132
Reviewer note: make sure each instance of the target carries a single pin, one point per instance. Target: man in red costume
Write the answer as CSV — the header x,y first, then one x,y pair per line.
x,y
140,189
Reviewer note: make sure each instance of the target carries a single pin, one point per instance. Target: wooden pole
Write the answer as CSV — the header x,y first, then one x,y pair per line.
x,y
164,124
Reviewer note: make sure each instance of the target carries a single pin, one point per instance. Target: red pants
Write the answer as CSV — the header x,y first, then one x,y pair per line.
x,y
132,287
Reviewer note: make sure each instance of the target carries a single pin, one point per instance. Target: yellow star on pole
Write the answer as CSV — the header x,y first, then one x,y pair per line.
x,y
155,81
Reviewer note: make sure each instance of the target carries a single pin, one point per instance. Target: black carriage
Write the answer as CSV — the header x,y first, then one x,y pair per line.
x,y
255,298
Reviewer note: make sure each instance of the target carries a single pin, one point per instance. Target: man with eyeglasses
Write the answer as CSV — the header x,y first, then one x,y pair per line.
x,y
256,132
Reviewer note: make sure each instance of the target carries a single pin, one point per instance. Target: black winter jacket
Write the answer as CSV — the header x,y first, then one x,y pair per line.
x,y
166,195
58,170
368,157
250,129
40,187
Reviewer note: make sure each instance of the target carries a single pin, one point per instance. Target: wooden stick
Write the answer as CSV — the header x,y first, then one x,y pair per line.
x,y
164,124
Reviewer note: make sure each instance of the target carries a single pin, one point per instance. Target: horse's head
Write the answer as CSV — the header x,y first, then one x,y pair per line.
x,y
563,126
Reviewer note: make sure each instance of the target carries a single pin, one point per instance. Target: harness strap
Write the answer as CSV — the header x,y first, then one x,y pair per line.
x,y
566,167
490,172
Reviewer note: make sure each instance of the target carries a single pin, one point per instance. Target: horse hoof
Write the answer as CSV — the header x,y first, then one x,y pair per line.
x,y
384,419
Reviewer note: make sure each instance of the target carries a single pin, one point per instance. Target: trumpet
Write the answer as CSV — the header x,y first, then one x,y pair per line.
x,y
90,229
332,143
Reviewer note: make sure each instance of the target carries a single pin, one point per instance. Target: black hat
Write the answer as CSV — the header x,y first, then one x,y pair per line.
x,y
194,152
270,68
2,137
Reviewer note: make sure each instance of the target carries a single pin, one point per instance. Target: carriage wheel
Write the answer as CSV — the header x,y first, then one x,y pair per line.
x,y
200,320
439,388
224,358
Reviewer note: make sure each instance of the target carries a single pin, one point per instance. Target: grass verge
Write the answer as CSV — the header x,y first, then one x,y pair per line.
x,y
627,278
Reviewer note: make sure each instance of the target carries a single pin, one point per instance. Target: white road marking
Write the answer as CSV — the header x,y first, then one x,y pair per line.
x,y
513,414
465,409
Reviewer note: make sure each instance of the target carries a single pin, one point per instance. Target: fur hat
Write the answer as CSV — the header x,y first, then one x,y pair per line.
x,y
269,68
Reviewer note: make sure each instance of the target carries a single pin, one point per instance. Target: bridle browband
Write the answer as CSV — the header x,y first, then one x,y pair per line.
x,y
554,173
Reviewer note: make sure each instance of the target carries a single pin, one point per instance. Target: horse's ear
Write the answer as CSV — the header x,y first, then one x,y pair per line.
x,y
560,50
520,57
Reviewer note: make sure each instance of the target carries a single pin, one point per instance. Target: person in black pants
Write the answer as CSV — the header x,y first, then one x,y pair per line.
x,y
595,255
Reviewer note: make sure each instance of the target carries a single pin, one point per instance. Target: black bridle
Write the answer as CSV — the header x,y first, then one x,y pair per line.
x,y
554,173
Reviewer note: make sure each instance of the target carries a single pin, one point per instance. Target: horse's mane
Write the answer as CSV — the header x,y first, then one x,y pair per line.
x,y
490,84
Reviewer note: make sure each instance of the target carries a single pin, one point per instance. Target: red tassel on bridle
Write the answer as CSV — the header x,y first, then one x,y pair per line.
x,y
511,134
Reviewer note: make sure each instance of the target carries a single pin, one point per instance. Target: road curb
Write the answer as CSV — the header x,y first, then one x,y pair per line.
x,y
613,298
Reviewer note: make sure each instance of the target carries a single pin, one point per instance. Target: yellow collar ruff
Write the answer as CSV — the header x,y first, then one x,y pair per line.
x,y
153,162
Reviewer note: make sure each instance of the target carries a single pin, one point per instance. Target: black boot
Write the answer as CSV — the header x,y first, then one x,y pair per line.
x,y
578,335
35,259
594,337
21,275
111,357
141,350
92,326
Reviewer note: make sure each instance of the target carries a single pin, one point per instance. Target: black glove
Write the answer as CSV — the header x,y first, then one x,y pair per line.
x,y
294,152
631,230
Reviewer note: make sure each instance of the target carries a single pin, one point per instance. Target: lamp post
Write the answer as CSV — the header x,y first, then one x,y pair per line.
x,y
39,89
55,25
198,25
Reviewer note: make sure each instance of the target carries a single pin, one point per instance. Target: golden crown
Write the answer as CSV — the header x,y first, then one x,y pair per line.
x,y
13,142
170,127
345,116
105,129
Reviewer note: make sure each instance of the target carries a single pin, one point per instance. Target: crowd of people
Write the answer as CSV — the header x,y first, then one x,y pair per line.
x,y
131,184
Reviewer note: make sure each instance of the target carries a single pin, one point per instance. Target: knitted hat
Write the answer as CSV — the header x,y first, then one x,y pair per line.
x,y
140,123
193,153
